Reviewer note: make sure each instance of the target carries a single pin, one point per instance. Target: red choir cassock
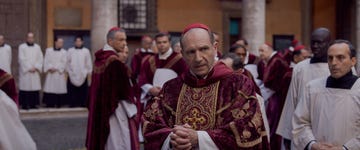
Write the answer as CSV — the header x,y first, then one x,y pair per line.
x,y
223,105
110,84
7,84
261,69
287,54
249,75
274,72
253,59
138,60
174,62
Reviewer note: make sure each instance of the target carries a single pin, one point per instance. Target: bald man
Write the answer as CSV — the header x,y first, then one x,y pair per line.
x,y
141,54
30,68
208,107
304,72
275,68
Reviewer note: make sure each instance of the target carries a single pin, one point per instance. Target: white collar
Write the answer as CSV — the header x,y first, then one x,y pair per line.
x,y
165,55
272,55
246,61
107,47
146,50
192,73
267,60
292,64
206,76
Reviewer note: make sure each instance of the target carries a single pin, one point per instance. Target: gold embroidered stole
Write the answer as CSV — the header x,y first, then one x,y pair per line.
x,y
4,78
172,62
197,106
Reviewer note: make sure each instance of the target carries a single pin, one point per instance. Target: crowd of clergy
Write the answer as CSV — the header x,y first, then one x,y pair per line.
x,y
190,94
67,73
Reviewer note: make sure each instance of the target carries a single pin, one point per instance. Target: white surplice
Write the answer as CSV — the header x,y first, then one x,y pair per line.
x,y
146,87
329,115
119,136
13,134
30,57
303,73
55,82
5,58
79,65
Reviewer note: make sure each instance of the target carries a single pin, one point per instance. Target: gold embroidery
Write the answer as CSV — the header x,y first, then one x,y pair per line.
x,y
173,61
263,133
169,109
4,78
152,64
171,121
195,118
242,94
101,68
246,105
146,123
257,120
153,111
246,134
145,59
244,144
225,107
168,65
219,120
238,113
197,106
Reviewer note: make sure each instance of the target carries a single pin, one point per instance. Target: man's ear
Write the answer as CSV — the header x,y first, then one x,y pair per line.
x,y
216,46
109,41
353,61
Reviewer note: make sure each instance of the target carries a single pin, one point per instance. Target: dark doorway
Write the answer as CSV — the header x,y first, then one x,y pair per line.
x,y
346,19
234,29
69,37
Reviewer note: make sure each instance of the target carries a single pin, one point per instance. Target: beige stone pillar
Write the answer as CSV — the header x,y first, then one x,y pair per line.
x,y
253,23
358,35
104,16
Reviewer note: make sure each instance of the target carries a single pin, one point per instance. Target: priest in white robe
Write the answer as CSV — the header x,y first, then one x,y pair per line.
x,y
328,113
5,55
13,134
30,67
304,72
79,68
55,82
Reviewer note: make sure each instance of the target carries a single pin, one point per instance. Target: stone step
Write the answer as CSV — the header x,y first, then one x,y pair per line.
x,y
50,113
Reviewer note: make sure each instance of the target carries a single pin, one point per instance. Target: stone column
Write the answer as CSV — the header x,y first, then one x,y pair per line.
x,y
104,16
306,22
253,23
358,35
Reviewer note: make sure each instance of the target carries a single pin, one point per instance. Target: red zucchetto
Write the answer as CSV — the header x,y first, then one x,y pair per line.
x,y
196,25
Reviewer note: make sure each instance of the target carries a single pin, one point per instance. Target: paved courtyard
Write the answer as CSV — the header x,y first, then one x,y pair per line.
x,y
57,130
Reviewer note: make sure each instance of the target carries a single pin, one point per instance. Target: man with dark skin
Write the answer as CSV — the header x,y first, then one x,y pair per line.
x,y
304,72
